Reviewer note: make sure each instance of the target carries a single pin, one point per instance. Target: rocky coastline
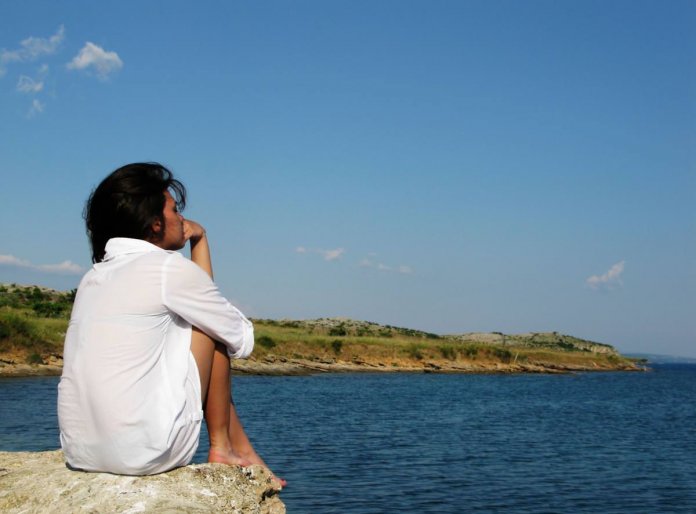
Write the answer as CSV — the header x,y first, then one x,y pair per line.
x,y
281,366
40,482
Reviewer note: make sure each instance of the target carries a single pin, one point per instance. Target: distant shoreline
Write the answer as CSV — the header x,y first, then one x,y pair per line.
x,y
294,367
34,321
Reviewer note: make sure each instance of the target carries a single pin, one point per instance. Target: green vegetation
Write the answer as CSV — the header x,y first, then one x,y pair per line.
x,y
415,351
34,358
326,339
449,351
33,322
265,341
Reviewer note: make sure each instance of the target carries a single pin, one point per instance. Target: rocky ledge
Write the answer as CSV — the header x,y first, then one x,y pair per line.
x,y
39,482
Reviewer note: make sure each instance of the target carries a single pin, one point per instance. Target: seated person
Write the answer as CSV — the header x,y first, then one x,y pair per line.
x,y
148,348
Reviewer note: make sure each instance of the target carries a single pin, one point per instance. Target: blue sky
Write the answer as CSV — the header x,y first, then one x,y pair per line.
x,y
446,166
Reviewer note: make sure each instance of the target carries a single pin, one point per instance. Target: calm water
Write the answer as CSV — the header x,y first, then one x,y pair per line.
x,y
605,442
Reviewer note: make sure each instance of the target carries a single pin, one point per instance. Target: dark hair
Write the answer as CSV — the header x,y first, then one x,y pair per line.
x,y
128,202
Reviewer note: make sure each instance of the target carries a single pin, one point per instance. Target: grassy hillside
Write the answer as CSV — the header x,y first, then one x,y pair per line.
x,y
33,321
336,339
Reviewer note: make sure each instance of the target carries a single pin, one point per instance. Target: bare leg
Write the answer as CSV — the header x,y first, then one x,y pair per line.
x,y
214,370
240,441
242,446
228,442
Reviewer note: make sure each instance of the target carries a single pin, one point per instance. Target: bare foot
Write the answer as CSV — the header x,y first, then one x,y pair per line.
x,y
250,454
227,456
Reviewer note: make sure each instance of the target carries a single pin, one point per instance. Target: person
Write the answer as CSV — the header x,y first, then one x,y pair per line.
x,y
148,347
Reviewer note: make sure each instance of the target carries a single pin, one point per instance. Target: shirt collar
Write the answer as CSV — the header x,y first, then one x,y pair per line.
x,y
117,246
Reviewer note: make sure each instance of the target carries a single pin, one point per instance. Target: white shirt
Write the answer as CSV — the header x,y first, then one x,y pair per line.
x,y
129,397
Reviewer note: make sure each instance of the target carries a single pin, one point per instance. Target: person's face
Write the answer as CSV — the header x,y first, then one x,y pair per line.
x,y
173,238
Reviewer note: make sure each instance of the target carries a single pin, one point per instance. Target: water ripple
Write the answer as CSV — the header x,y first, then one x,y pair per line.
x,y
610,442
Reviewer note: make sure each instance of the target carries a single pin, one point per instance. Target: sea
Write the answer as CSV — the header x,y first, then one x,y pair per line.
x,y
603,442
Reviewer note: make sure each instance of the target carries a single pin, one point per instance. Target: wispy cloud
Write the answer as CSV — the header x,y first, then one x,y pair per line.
x,y
380,266
63,268
368,262
36,108
609,280
328,255
29,85
31,48
94,58
332,255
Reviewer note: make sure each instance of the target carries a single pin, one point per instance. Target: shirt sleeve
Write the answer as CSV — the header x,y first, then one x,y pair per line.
x,y
190,293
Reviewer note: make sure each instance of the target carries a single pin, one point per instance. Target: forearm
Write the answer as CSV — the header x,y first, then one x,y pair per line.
x,y
200,254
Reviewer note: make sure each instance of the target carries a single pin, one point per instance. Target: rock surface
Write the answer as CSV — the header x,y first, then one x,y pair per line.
x,y
39,482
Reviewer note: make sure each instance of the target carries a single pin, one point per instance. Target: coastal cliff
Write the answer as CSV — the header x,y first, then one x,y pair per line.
x,y
39,482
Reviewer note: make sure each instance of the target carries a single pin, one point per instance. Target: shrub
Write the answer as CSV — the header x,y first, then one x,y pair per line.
x,y
37,294
339,330
502,354
448,352
4,330
266,341
13,324
470,350
336,345
414,351
48,309
34,358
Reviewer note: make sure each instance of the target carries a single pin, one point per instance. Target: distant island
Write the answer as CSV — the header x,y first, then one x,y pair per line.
x,y
33,321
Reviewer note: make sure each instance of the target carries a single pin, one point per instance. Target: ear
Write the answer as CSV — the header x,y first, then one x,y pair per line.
x,y
157,226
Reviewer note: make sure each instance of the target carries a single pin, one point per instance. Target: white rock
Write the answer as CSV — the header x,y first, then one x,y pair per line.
x,y
39,482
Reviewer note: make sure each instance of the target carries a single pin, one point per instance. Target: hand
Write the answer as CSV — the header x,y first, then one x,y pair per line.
x,y
193,231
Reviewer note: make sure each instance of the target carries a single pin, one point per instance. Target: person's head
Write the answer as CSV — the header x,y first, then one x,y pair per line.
x,y
134,201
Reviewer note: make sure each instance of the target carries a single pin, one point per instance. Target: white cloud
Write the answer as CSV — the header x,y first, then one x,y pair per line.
x,y
29,85
36,108
367,262
11,260
332,255
95,57
64,268
32,48
328,255
380,266
608,280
